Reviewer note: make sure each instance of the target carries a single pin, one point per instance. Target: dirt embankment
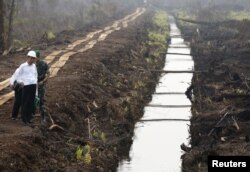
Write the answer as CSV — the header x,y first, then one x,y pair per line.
x,y
96,98
220,123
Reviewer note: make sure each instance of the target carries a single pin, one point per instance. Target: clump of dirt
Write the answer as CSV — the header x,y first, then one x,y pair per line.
x,y
94,102
219,123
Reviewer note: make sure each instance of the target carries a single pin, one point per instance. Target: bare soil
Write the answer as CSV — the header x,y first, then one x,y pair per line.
x,y
103,89
220,123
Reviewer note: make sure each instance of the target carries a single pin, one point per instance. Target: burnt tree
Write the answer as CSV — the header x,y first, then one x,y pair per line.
x,y
1,25
10,25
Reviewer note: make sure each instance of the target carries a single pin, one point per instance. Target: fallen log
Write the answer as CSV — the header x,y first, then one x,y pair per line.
x,y
180,36
169,106
201,22
175,36
184,54
155,120
177,47
162,93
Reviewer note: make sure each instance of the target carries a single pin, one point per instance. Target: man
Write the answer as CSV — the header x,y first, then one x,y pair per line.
x,y
43,74
26,76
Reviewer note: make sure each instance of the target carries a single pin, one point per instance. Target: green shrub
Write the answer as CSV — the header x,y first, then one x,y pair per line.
x,y
158,35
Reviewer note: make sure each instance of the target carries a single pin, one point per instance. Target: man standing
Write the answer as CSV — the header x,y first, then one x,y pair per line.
x,y
26,75
43,74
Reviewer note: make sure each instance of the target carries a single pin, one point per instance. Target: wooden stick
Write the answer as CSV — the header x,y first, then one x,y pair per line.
x,y
199,22
245,81
53,125
169,106
175,35
177,71
51,119
160,93
90,136
224,116
56,126
178,47
235,123
152,120
179,54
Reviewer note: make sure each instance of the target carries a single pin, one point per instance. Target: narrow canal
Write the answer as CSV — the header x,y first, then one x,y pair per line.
x,y
165,124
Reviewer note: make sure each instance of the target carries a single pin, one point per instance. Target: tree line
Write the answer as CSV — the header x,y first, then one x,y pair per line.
x,y
26,21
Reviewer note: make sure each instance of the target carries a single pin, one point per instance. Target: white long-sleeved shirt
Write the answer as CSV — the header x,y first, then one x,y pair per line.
x,y
25,73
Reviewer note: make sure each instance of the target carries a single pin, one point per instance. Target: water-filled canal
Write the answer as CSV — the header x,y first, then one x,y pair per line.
x,y
164,125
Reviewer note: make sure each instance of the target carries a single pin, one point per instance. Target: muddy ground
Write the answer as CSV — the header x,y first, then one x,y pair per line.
x,y
95,99
220,123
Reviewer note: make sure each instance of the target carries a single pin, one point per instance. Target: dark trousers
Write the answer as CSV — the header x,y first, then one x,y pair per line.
x,y
17,103
28,97
41,93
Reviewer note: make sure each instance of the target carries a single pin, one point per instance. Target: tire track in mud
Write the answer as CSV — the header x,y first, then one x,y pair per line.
x,y
76,47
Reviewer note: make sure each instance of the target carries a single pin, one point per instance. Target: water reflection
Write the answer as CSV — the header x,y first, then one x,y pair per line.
x,y
170,100
172,82
177,41
179,65
179,50
156,147
168,113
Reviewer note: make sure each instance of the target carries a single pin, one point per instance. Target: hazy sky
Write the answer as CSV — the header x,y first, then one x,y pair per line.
x,y
202,3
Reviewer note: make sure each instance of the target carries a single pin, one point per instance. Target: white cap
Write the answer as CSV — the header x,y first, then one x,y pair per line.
x,y
32,54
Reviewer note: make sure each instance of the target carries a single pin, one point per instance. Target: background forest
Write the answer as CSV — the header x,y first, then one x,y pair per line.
x,y
26,22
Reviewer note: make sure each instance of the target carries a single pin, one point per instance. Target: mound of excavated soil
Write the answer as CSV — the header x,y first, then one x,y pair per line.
x,y
220,123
